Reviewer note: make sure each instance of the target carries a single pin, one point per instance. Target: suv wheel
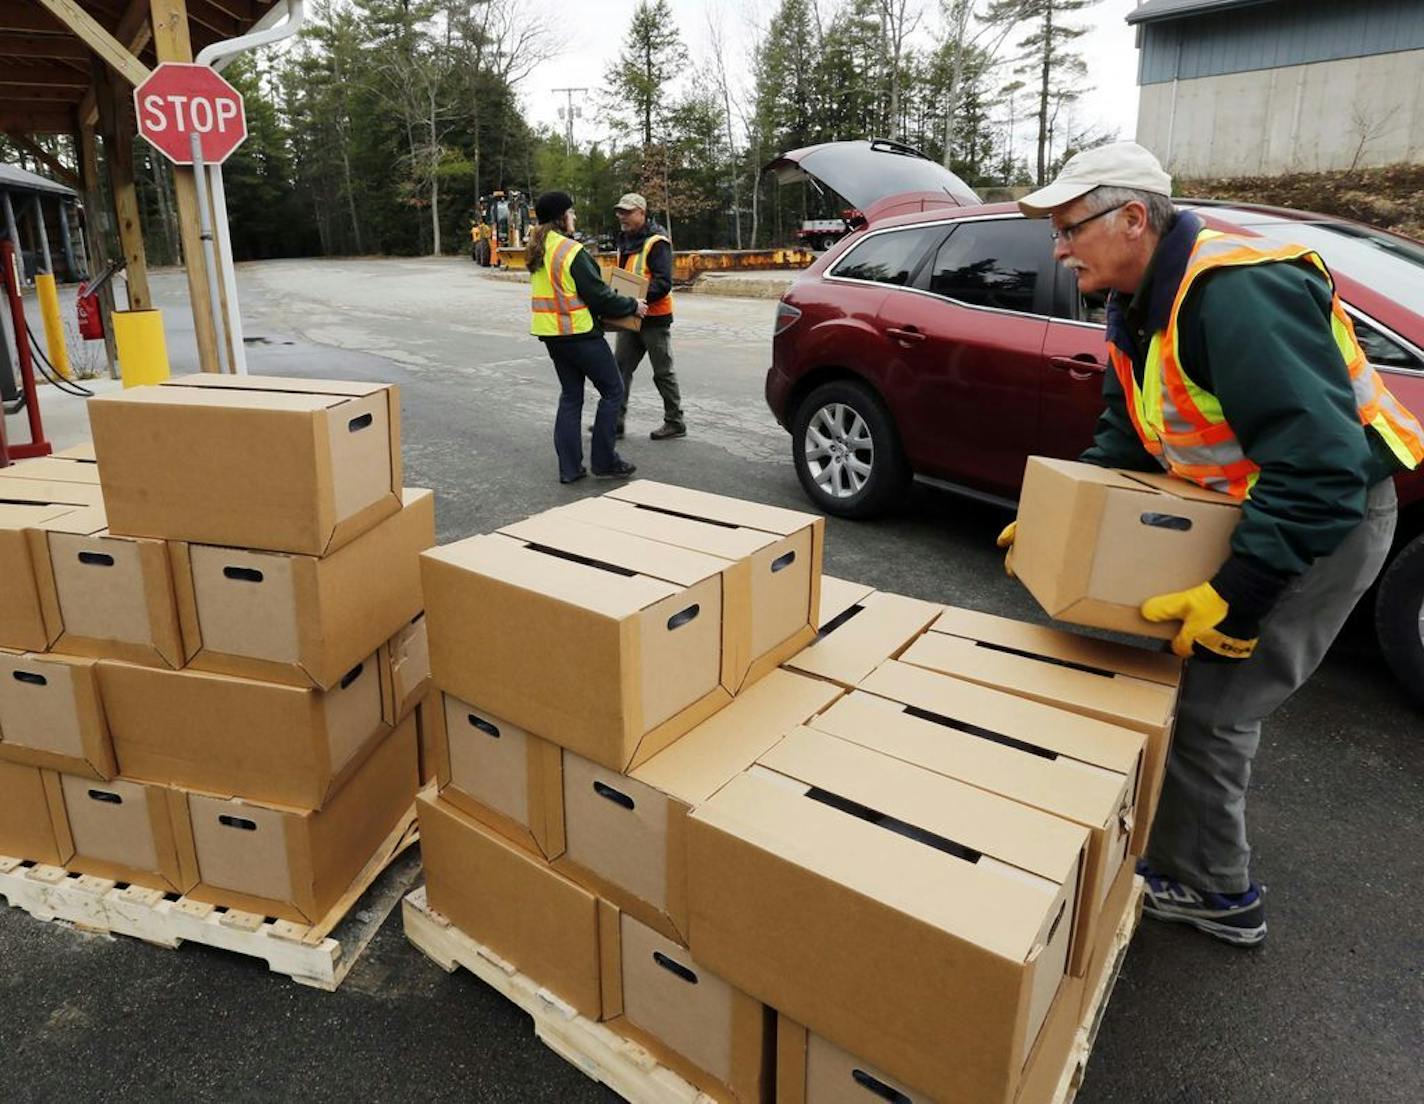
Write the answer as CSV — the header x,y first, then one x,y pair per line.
x,y
847,452
1399,617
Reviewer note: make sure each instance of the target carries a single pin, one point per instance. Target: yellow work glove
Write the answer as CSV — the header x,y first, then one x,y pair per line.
x,y
1203,614
1006,540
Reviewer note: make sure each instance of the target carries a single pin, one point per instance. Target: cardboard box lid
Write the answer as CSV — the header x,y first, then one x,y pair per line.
x,y
59,469
1085,739
727,541
618,549
707,758
838,596
32,515
1170,484
872,631
217,396
1135,702
512,562
49,492
713,507
291,384
1040,640
82,451
999,909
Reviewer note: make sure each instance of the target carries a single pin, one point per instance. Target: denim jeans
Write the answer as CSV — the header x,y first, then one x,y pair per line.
x,y
576,361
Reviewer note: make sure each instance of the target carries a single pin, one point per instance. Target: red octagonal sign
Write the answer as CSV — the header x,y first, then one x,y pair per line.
x,y
178,100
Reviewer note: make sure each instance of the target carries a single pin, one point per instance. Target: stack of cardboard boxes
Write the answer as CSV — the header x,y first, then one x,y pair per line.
x,y
214,644
803,840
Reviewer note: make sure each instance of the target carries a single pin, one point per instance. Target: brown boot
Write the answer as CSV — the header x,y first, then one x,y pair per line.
x,y
667,431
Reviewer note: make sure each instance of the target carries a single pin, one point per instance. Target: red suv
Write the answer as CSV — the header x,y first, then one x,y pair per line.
x,y
943,343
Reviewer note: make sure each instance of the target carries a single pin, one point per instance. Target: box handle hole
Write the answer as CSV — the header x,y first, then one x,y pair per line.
x,y
484,726
618,797
352,675
678,620
879,1088
243,574
106,796
360,422
30,677
237,822
1167,521
674,967
96,559
782,562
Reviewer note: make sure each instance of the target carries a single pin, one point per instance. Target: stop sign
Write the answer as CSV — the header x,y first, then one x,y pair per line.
x,y
177,100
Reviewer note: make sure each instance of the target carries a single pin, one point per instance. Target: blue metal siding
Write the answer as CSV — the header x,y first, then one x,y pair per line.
x,y
1275,35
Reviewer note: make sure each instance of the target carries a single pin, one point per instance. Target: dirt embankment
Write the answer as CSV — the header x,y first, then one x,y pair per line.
x,y
1391,197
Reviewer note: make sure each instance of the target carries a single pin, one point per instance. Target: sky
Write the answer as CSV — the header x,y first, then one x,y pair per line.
x,y
591,29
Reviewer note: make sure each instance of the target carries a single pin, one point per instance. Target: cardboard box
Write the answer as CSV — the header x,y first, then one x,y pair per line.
x,y
626,283
303,620
58,468
1123,898
767,573
838,597
283,465
785,575
909,918
125,831
264,741
578,636
82,451
1118,683
876,628
27,509
626,834
430,729
105,596
297,864
713,1035
502,775
1093,544
1074,767
405,667
51,715
518,906
32,822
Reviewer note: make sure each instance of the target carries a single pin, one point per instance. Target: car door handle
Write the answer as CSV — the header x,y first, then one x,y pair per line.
x,y
1081,367
905,336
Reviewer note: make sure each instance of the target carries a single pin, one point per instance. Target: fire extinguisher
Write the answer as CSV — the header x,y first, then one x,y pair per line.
x,y
91,319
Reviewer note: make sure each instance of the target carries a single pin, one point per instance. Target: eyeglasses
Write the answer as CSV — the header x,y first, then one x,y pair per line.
x,y
1065,233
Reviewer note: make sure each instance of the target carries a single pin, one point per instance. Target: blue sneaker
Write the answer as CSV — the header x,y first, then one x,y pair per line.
x,y
1237,918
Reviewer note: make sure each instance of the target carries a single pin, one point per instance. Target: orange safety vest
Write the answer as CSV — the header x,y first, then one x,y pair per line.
x,y
1182,424
637,263
557,309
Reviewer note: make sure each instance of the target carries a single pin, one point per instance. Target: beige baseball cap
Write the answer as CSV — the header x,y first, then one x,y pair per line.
x,y
1117,165
631,201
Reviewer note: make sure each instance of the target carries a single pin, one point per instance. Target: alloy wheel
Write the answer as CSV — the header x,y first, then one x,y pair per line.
x,y
840,451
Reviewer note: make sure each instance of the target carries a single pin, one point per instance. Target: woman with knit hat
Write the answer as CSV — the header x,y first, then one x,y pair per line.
x,y
568,296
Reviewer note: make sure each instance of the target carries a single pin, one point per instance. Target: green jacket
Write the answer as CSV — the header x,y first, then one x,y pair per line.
x,y
1259,339
601,300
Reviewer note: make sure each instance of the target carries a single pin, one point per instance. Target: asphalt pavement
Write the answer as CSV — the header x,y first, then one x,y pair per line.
x,y
1330,1009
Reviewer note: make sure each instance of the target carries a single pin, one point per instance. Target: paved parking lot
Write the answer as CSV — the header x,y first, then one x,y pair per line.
x,y
1331,1008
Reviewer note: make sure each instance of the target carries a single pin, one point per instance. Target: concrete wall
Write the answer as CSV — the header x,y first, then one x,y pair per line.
x,y
1299,118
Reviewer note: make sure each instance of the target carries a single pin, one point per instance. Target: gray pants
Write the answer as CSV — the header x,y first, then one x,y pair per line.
x,y
656,341
1199,836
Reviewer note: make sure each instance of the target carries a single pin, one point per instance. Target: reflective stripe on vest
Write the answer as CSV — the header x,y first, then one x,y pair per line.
x,y
637,263
557,311
1182,424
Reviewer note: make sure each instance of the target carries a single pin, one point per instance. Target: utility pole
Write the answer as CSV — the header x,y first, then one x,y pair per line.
x,y
568,114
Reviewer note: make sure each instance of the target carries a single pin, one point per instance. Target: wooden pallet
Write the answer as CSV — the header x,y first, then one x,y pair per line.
x,y
627,1068
597,1051
319,955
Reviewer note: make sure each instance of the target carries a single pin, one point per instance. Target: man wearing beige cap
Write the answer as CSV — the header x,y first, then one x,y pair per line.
x,y
645,249
1233,365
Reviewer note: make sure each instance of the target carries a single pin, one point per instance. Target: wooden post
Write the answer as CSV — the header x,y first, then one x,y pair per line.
x,y
116,121
96,236
171,43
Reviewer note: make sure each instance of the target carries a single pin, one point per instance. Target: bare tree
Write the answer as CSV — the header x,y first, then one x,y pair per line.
x,y
995,24
898,20
1368,125
723,86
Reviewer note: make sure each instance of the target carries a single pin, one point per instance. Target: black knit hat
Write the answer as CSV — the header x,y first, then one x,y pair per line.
x,y
550,206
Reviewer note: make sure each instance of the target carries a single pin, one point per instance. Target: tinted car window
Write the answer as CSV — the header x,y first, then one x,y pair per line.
x,y
888,258
991,264
1384,351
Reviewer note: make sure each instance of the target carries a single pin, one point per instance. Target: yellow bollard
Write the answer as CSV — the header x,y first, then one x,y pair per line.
x,y
143,353
55,349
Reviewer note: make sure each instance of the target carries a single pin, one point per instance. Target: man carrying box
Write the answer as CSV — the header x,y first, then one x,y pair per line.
x,y
1234,366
